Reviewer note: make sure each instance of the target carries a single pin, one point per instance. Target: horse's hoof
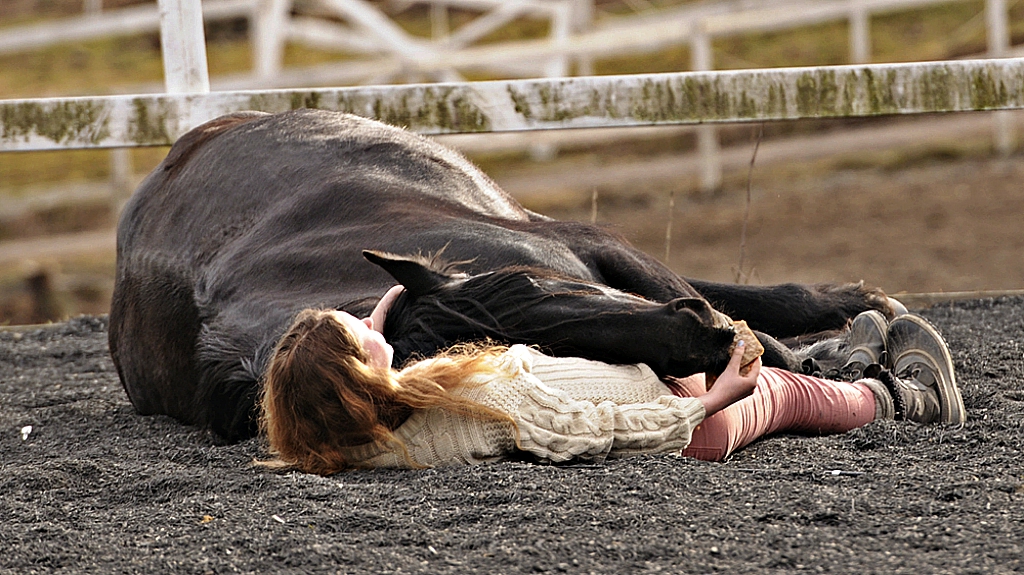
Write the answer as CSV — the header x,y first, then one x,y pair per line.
x,y
898,308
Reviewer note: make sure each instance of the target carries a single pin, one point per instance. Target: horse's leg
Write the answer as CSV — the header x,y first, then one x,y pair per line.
x,y
154,323
677,338
617,264
783,311
801,314
792,310
777,354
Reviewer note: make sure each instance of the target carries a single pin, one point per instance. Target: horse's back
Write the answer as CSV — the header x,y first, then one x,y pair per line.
x,y
305,169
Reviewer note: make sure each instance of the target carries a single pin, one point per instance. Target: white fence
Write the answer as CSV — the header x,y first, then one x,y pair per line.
x,y
596,101
514,105
391,54
701,98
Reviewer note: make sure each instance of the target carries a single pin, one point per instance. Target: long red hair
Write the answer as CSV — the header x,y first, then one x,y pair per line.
x,y
321,395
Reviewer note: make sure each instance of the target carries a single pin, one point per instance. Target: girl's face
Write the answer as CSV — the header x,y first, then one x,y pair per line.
x,y
380,351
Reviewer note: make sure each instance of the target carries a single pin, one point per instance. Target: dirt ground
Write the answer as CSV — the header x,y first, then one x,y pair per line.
x,y
92,487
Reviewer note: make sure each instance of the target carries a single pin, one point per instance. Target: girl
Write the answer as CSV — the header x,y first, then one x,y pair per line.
x,y
331,400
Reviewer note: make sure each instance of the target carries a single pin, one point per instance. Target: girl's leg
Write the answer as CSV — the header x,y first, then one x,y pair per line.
x,y
782,401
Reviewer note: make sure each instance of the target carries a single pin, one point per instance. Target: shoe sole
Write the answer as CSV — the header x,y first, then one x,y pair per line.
x,y
951,403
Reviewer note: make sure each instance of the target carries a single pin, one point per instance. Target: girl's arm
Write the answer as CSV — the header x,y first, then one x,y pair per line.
x,y
380,312
554,426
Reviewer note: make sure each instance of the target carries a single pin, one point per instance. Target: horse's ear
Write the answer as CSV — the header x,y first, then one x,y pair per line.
x,y
417,278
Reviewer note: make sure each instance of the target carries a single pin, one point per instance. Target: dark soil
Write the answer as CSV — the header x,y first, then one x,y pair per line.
x,y
97,488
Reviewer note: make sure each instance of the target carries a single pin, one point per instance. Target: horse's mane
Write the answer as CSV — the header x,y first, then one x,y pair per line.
x,y
437,262
488,306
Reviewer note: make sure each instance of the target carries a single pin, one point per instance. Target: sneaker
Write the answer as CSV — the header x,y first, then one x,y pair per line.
x,y
866,344
921,379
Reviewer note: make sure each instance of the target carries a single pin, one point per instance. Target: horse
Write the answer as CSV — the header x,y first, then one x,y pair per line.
x,y
252,217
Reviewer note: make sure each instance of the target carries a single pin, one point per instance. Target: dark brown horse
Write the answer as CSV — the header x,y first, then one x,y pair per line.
x,y
253,217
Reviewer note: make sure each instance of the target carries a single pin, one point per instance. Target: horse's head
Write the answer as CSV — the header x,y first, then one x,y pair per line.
x,y
563,316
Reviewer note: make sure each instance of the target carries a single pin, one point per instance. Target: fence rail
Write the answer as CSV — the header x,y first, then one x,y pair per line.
x,y
499,106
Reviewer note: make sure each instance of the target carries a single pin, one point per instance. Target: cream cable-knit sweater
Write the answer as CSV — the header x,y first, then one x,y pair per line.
x,y
564,408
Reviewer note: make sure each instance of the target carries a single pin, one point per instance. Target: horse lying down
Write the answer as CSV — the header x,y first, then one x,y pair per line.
x,y
253,217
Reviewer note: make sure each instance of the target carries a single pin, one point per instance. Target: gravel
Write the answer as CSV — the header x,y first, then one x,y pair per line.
x,y
87,485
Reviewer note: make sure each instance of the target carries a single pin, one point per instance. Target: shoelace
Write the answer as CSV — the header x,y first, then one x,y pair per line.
x,y
909,372
918,374
892,385
854,370
849,372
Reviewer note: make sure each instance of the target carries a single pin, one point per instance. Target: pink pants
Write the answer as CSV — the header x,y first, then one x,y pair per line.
x,y
782,401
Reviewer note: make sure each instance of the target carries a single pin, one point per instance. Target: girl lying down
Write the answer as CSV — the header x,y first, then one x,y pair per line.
x,y
332,402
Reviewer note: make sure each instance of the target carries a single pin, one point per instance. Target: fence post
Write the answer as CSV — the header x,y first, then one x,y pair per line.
x,y
997,32
269,29
707,136
582,20
184,47
860,33
440,26
562,14
561,28
121,171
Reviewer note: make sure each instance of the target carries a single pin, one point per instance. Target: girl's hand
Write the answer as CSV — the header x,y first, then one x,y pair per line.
x,y
731,387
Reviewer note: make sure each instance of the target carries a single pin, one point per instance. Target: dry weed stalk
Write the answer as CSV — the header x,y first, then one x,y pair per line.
x,y
668,228
740,274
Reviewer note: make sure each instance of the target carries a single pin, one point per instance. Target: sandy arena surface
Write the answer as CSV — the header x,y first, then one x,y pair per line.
x,y
93,487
